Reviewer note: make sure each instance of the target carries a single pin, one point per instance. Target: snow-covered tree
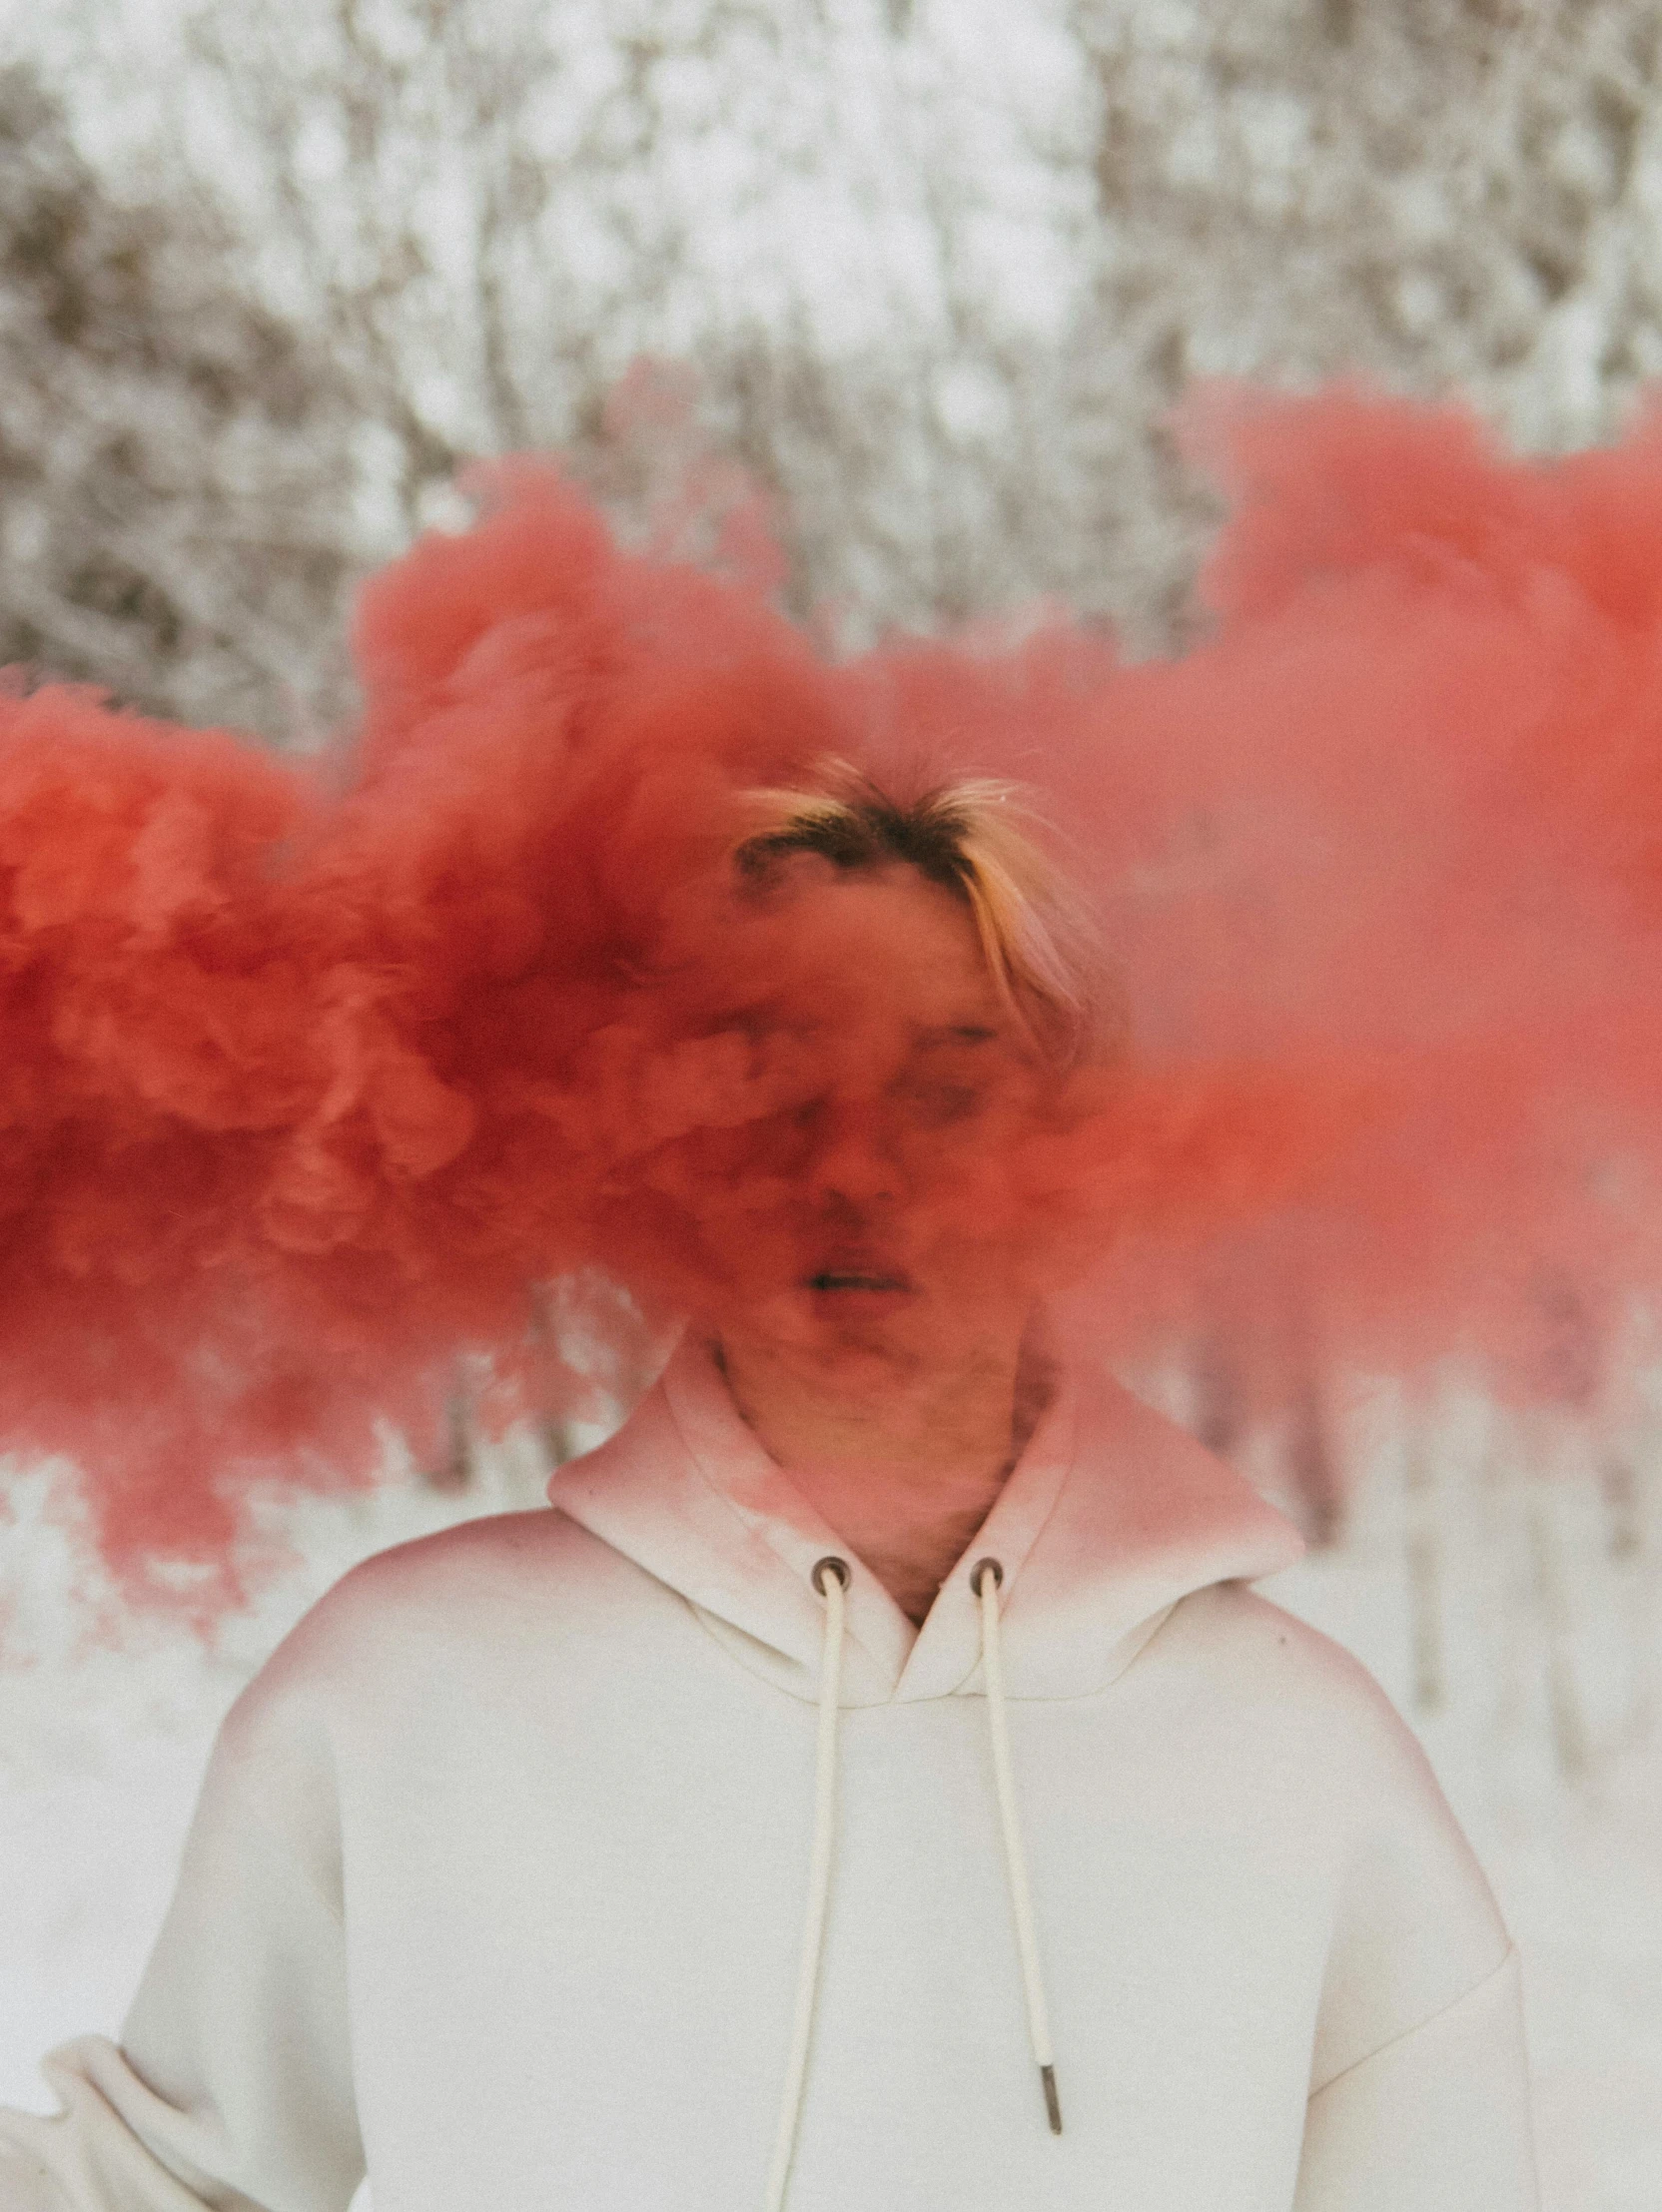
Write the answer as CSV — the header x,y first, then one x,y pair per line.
x,y
941,269
174,459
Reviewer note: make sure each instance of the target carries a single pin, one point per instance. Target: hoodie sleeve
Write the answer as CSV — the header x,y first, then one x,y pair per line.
x,y
231,2085
1420,2079
1435,2121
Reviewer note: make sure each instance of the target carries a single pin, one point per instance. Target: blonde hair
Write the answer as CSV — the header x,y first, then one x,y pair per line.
x,y
975,839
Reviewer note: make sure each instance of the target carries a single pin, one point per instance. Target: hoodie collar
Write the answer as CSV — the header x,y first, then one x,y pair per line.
x,y
1110,1516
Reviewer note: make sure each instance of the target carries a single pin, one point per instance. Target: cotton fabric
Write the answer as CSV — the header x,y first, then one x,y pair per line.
x,y
496,1881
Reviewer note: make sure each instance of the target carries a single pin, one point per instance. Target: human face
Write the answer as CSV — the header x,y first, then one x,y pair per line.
x,y
930,1053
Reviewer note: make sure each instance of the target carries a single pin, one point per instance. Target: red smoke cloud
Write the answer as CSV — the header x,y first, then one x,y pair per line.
x,y
315,1073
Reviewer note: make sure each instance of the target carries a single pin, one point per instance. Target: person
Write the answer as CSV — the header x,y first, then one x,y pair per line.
x,y
871,1782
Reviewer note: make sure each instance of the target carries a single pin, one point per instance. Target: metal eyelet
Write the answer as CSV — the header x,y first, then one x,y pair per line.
x,y
978,1574
838,1567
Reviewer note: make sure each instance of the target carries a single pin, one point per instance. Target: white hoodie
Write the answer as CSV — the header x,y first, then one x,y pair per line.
x,y
500,1871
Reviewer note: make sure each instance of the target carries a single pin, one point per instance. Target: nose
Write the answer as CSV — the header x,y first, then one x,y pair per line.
x,y
853,1164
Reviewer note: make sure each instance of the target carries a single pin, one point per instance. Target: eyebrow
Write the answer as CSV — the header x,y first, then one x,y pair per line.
x,y
959,1033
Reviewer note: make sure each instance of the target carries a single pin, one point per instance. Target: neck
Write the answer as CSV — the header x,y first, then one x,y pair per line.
x,y
906,1471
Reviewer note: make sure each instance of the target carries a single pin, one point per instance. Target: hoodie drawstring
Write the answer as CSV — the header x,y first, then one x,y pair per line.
x,y
986,1578
831,1578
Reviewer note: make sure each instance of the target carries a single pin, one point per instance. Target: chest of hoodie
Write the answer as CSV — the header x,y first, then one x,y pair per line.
x,y
574,1882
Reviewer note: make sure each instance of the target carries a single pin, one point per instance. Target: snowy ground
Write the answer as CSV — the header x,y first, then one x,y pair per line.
x,y
1519,1608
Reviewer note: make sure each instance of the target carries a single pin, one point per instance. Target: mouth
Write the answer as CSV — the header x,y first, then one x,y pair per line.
x,y
858,1279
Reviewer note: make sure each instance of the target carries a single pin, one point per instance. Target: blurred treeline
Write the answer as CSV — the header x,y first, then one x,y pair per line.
x,y
270,276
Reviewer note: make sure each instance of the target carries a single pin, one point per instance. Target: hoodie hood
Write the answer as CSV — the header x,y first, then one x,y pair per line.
x,y
1110,1516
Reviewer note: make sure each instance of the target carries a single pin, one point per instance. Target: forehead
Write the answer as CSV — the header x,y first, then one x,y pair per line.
x,y
911,944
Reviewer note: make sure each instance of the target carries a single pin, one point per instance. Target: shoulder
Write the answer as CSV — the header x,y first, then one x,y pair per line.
x,y
1415,1924
429,1615
1263,1661
458,1574
1318,1730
